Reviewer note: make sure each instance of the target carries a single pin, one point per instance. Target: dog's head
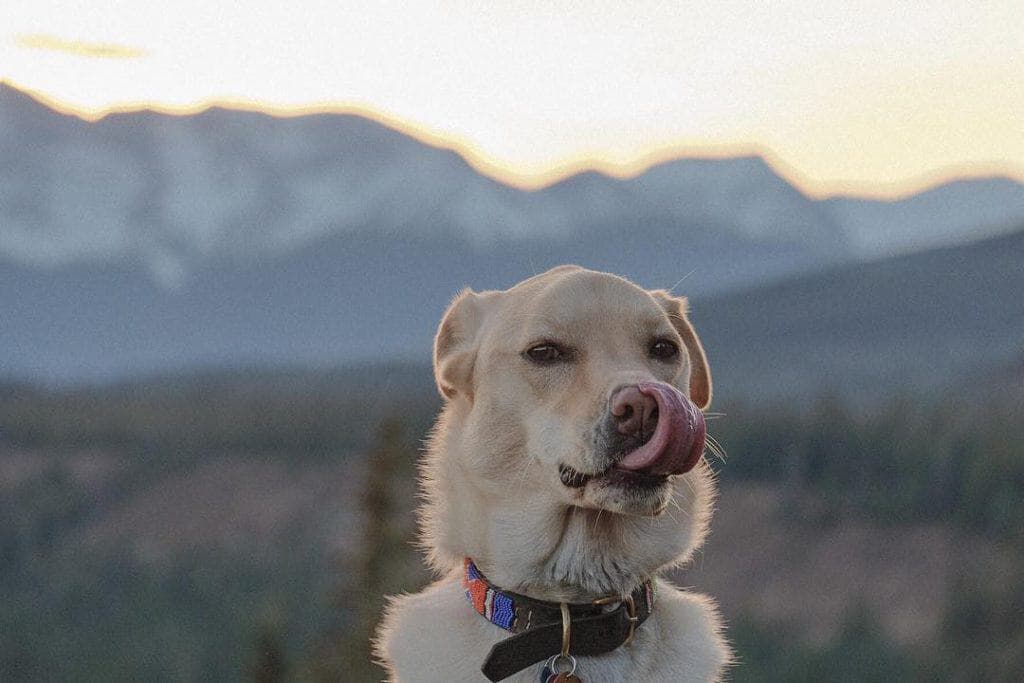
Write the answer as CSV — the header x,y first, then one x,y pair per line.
x,y
583,390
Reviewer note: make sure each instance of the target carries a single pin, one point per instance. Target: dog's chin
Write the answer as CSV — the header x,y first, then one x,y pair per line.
x,y
628,493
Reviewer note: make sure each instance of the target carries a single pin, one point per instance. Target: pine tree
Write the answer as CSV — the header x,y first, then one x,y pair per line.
x,y
379,567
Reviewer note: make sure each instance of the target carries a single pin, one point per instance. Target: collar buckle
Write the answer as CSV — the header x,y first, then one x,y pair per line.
x,y
633,619
607,600
631,614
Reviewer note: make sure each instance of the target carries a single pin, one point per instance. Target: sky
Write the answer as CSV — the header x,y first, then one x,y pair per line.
x,y
881,101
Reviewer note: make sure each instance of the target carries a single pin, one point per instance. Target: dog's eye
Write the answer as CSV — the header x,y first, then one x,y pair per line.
x,y
545,353
663,349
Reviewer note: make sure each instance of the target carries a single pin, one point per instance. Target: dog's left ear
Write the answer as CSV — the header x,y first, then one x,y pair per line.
x,y
700,373
455,345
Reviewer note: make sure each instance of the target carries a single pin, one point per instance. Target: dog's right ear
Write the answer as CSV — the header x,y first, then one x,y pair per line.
x,y
455,345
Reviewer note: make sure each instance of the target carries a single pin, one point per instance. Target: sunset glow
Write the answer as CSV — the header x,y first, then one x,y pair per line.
x,y
878,101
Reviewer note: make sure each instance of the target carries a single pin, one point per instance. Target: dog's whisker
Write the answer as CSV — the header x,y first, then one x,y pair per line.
x,y
715,452
671,516
680,280
522,475
679,507
693,489
715,447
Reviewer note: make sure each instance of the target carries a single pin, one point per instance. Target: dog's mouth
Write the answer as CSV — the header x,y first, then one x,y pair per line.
x,y
675,446
576,480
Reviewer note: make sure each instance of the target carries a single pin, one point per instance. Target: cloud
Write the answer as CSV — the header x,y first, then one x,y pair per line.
x,y
79,48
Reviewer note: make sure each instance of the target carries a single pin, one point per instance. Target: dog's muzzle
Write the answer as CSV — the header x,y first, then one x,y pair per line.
x,y
669,429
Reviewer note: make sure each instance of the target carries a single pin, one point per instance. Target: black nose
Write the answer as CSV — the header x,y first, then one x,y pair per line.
x,y
634,413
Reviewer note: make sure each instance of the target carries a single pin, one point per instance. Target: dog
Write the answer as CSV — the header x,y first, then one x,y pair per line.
x,y
564,472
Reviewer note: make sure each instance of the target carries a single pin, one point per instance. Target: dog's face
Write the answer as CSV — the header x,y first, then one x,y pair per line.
x,y
579,384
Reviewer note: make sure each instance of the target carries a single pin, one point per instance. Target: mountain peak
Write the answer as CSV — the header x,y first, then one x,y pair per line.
x,y
227,183
224,183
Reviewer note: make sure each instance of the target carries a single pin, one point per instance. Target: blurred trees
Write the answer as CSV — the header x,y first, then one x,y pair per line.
x,y
269,664
74,611
906,461
382,567
858,654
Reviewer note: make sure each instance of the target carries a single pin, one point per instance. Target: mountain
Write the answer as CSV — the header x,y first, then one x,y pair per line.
x,y
958,211
935,319
949,320
345,298
144,243
175,194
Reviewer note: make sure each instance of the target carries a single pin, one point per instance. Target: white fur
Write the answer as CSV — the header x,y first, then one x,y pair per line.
x,y
490,479
436,636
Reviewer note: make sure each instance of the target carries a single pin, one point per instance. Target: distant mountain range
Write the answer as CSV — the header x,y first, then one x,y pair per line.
x,y
955,212
172,192
145,242
222,188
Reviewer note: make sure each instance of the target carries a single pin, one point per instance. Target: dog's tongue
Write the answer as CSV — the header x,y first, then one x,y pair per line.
x,y
678,439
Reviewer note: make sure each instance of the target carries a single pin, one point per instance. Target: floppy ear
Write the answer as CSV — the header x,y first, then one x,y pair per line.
x,y
455,345
700,373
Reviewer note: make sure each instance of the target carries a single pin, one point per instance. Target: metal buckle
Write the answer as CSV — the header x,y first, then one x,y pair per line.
x,y
608,600
633,619
630,612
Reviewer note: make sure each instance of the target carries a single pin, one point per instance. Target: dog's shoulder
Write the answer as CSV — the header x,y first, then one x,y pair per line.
x,y
422,636
692,642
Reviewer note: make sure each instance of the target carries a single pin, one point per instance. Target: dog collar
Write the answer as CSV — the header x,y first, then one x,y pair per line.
x,y
593,628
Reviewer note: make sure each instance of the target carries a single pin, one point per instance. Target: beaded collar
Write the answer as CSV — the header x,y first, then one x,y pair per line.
x,y
596,627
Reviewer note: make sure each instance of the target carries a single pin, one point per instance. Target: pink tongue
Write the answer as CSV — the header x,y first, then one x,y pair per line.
x,y
678,440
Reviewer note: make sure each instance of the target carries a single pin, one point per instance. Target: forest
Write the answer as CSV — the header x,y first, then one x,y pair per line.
x,y
229,529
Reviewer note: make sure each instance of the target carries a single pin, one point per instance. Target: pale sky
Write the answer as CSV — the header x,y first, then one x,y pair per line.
x,y
876,101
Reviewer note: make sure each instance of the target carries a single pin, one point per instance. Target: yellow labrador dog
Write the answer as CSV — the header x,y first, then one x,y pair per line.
x,y
564,473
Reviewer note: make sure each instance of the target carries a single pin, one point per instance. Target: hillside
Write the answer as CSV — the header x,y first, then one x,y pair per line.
x,y
344,300
917,321
933,319
180,530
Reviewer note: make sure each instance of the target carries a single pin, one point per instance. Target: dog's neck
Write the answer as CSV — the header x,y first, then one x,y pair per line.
x,y
527,539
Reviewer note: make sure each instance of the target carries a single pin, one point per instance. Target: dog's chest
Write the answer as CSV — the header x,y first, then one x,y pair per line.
x,y
438,636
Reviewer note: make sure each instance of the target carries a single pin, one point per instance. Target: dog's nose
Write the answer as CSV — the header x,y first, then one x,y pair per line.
x,y
634,413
